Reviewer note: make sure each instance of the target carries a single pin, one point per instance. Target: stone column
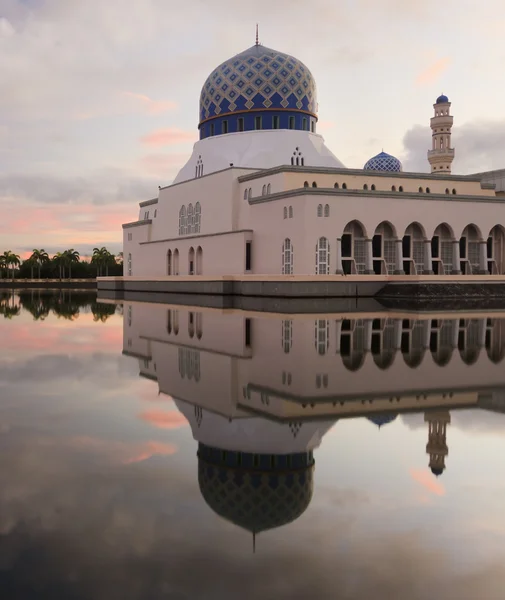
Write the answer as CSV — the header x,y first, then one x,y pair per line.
x,y
338,258
367,344
338,335
428,262
456,260
369,257
483,267
399,257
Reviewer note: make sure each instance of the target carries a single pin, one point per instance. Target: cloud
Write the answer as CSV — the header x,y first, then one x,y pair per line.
x,y
479,147
152,107
164,419
168,137
428,481
433,72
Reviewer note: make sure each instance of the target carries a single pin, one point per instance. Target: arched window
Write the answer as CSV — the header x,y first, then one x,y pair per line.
x,y
400,189
264,190
373,187
249,194
314,184
428,190
169,322
190,219
176,262
175,321
322,336
319,210
198,217
191,324
199,167
191,261
344,186
199,325
129,264
306,184
322,257
245,194
454,191
393,188
365,187
297,157
169,262
285,212
447,191
290,212
287,335
269,188
420,190
336,186
199,260
326,210
182,221
287,257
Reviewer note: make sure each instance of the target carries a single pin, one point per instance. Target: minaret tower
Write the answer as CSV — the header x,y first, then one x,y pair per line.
x,y
437,445
441,155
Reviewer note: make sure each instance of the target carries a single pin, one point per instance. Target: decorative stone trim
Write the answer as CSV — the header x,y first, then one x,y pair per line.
x,y
137,223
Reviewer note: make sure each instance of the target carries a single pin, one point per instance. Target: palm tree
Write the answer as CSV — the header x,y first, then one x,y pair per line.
x,y
11,260
59,260
40,257
102,258
3,264
71,256
30,262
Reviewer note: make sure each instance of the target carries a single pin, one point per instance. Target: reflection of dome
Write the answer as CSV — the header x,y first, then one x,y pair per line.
x,y
437,471
442,99
255,491
383,162
380,420
258,81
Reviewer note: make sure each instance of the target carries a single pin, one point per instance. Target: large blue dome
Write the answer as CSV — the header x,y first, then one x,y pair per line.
x,y
442,99
383,162
259,80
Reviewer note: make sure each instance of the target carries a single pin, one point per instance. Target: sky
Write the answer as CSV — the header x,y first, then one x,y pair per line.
x,y
99,100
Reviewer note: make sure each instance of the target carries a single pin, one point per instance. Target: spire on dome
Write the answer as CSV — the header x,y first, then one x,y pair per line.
x,y
257,36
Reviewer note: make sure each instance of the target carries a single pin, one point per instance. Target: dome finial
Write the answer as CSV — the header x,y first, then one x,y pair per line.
x,y
257,36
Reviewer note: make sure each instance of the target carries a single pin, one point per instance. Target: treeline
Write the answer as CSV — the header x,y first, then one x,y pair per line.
x,y
63,304
66,264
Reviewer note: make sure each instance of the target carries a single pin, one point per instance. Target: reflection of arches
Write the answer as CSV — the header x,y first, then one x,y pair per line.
x,y
495,339
322,336
383,342
322,256
441,341
191,261
354,248
169,262
352,343
176,262
412,344
496,250
468,340
413,249
469,245
199,261
383,249
441,250
191,324
199,325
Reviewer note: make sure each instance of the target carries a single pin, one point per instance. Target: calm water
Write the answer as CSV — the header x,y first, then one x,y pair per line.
x,y
153,451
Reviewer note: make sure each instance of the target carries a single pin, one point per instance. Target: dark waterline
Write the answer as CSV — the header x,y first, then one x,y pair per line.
x,y
163,451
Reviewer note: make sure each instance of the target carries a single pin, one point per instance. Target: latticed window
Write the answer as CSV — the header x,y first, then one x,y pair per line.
x,y
290,212
326,210
287,257
198,217
322,257
446,255
473,255
322,335
285,212
319,210
287,335
182,221
190,219
389,255
360,254
189,364
418,255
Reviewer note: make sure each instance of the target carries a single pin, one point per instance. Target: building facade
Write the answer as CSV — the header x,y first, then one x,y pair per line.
x,y
261,193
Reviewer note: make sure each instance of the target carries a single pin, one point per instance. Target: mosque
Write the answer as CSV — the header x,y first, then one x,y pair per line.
x,y
262,194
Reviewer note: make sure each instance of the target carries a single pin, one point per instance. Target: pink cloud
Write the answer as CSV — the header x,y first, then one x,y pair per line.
x,y
428,481
433,71
168,137
164,419
152,107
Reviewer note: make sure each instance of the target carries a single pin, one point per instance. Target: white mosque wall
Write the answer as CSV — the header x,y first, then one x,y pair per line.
x,y
262,149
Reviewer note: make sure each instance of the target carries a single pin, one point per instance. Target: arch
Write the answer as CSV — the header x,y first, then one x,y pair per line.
x,y
441,249
496,250
495,339
191,324
269,188
182,221
245,194
344,186
352,344
264,190
454,191
169,262
353,248
373,187
414,358
393,188
326,210
199,325
400,189
176,261
287,257
336,186
469,249
199,261
441,341
191,261
198,217
249,193
322,256
290,212
428,191
319,210
305,184
383,248
420,190
285,212
447,191
468,341
413,249
314,184
190,223
365,186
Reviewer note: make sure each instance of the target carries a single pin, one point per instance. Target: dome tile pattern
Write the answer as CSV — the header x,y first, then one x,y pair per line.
x,y
442,99
258,78
383,162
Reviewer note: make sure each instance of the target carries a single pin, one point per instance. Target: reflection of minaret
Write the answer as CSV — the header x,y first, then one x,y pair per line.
x,y
437,445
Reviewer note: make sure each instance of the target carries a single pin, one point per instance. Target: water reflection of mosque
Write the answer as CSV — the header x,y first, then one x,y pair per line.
x,y
260,391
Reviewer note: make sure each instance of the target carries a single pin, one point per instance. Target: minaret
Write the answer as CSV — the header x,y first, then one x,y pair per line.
x,y
441,155
437,445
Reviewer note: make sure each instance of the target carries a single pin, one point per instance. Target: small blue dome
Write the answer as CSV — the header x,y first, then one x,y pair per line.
x,y
383,162
437,471
380,420
442,99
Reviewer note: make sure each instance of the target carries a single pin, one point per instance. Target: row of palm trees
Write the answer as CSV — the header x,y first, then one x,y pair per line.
x,y
102,259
